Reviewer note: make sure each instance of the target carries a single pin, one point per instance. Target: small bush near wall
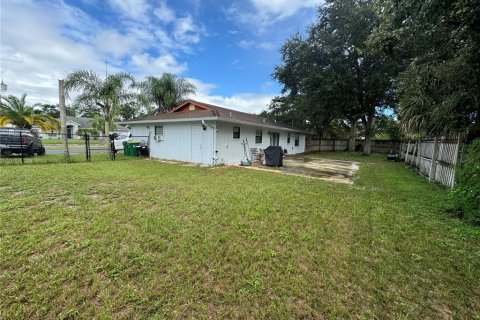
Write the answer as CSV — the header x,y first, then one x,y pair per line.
x,y
92,132
467,191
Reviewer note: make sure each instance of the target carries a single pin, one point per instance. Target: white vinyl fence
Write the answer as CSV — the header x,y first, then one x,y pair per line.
x,y
435,159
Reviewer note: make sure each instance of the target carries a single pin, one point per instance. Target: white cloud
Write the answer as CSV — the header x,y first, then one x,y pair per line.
x,y
116,44
134,9
280,9
35,52
145,64
246,102
266,45
186,31
248,44
264,13
164,12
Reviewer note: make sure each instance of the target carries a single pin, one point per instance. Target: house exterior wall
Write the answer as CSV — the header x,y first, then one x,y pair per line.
x,y
187,141
183,141
230,150
74,127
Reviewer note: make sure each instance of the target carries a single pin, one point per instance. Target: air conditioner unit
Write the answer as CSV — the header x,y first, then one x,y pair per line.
x,y
158,137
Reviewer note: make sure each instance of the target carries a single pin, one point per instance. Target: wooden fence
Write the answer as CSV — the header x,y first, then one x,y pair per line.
x,y
435,159
380,146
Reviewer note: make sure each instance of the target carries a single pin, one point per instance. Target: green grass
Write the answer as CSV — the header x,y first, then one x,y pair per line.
x,y
49,141
143,239
58,158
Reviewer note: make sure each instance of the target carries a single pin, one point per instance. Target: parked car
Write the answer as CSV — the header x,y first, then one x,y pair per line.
x,y
11,143
120,138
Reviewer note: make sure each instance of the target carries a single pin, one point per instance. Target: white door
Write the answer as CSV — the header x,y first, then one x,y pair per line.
x,y
197,144
274,138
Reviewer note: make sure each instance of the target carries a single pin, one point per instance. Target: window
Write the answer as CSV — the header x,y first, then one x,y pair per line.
x,y
288,138
258,136
159,130
297,140
236,132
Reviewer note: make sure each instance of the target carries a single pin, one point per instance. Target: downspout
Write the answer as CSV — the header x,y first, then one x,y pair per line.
x,y
214,156
215,149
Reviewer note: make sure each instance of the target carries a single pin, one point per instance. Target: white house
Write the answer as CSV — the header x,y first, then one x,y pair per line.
x,y
73,125
203,133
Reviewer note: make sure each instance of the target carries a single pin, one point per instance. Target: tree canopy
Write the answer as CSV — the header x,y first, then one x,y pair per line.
x,y
105,94
14,110
331,74
166,91
436,47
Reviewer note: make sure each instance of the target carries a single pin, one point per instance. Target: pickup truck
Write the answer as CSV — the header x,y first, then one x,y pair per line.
x,y
10,142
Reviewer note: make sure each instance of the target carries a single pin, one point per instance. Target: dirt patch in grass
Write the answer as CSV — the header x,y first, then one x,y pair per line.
x,y
339,171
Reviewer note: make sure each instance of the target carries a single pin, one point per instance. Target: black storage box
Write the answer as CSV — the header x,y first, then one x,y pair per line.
x,y
274,156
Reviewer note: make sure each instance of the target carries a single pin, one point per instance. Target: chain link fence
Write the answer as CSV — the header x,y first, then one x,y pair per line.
x,y
18,146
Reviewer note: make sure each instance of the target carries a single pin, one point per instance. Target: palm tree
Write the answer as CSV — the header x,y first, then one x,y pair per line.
x,y
14,110
107,94
165,92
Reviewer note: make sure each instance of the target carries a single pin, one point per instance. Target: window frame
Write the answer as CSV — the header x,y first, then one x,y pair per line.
x,y
257,136
288,138
159,128
297,140
236,133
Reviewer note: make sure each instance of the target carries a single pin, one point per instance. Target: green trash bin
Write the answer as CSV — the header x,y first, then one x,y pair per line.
x,y
125,148
133,151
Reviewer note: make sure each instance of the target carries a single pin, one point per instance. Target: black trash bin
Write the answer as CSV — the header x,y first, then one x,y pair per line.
x,y
273,156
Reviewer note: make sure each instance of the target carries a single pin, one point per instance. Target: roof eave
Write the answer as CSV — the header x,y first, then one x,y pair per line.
x,y
131,122
261,125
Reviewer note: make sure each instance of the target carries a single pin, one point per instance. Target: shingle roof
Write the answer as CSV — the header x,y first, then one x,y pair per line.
x,y
85,123
214,111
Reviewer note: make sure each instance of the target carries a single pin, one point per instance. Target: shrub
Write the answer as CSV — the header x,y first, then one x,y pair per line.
x,y
467,190
92,132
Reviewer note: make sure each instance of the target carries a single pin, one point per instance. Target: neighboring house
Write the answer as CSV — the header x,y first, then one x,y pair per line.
x,y
74,124
203,133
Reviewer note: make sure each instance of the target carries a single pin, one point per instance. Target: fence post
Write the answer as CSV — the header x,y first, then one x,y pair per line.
x,y
408,152
455,160
112,147
86,145
433,165
417,159
21,146
89,148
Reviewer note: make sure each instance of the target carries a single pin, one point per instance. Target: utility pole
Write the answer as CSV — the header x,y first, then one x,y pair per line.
x,y
63,119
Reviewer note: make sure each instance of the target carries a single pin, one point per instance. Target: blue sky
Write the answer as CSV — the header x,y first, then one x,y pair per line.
x,y
228,49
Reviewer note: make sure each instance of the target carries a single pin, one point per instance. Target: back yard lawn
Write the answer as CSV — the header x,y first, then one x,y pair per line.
x,y
138,239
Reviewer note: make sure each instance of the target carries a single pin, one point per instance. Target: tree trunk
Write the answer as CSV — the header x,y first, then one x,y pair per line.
x,y
320,134
106,128
367,147
63,119
351,135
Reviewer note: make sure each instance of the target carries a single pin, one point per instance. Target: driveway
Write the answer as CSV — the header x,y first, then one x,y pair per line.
x,y
326,169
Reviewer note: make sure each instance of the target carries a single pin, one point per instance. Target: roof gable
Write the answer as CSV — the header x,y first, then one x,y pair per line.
x,y
189,106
